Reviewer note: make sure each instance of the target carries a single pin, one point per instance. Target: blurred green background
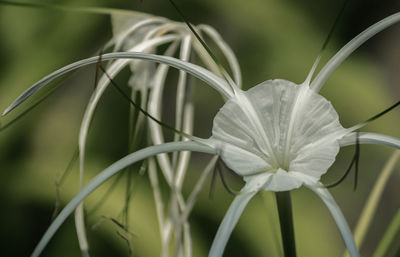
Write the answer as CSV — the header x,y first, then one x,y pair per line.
x,y
272,39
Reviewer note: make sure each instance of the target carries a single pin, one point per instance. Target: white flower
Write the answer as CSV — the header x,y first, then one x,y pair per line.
x,y
278,136
280,128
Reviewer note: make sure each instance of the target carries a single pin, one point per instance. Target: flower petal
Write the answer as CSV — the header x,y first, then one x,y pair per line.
x,y
343,53
228,223
282,180
241,159
210,78
155,103
81,230
337,215
234,212
226,50
334,209
370,138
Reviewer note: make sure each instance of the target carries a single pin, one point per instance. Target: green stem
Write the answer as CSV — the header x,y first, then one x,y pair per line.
x,y
284,204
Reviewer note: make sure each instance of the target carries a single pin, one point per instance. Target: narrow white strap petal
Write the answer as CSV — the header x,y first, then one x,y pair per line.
x,y
370,138
183,114
155,103
152,172
203,74
81,230
311,73
343,53
191,200
253,185
184,157
182,80
228,223
226,50
205,57
337,215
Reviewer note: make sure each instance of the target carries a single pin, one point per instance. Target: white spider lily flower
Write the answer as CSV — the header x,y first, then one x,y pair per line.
x,y
278,136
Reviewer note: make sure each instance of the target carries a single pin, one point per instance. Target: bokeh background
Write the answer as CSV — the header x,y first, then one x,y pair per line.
x,y
272,39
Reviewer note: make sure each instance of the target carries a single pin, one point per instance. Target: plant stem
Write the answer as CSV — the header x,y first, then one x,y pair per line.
x,y
284,204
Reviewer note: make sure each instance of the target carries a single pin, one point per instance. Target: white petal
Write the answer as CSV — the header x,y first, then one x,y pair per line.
x,y
337,215
155,103
228,223
210,78
81,230
234,212
370,138
226,50
241,160
281,181
334,209
343,53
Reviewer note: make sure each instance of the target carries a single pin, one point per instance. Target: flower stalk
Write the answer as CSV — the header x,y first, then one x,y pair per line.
x,y
284,203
